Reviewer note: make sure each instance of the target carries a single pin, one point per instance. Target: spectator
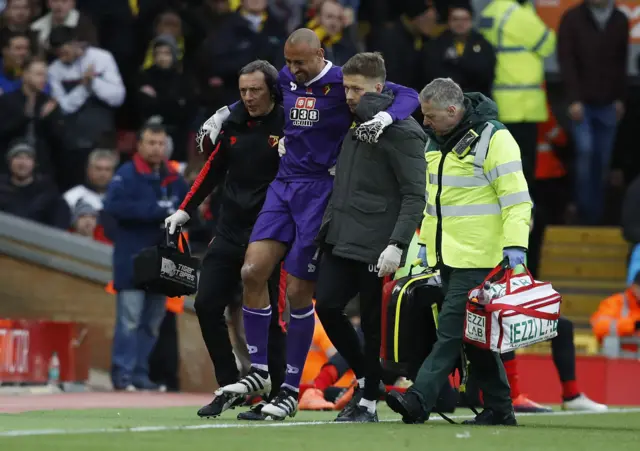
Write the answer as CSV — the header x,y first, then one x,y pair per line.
x,y
619,315
461,53
28,195
100,168
168,24
165,91
522,41
15,52
402,44
593,46
338,42
64,13
17,17
631,226
142,193
243,36
85,222
208,17
31,114
86,83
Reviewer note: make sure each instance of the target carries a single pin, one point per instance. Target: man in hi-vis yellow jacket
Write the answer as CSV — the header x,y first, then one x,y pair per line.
x,y
478,212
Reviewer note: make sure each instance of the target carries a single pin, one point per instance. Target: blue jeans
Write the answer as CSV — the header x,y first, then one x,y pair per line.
x,y
594,138
138,319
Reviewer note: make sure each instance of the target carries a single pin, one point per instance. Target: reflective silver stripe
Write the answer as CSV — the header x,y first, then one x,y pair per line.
x,y
544,37
613,328
504,169
503,22
515,87
511,49
482,148
514,199
625,306
459,180
465,210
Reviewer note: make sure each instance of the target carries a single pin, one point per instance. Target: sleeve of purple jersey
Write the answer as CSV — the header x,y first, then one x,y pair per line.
x,y
405,101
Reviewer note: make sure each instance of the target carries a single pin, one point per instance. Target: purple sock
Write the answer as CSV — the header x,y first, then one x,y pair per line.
x,y
299,337
256,329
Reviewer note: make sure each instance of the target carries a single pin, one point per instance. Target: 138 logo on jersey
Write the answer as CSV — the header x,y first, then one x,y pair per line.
x,y
304,112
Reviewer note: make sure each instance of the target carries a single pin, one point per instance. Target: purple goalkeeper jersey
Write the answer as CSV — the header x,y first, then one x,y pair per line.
x,y
317,119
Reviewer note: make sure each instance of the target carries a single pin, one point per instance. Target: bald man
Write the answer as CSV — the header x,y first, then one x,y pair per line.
x,y
317,120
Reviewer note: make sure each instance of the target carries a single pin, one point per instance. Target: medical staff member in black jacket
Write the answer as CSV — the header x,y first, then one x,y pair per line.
x,y
243,163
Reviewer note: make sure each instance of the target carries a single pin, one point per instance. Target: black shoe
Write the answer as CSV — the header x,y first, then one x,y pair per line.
x,y
221,402
355,400
490,418
254,413
359,414
408,405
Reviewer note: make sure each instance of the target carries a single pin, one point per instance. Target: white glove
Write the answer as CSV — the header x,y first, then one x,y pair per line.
x,y
178,219
281,149
212,127
389,260
370,131
332,171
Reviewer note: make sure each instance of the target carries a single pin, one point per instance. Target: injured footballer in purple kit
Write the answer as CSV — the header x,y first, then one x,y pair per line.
x,y
317,120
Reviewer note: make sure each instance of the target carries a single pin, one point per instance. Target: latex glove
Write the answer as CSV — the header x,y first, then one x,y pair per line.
x,y
281,149
389,261
514,255
370,131
212,127
178,219
422,255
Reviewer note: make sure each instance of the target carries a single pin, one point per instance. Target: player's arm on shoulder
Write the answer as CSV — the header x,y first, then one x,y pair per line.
x,y
405,151
405,102
503,169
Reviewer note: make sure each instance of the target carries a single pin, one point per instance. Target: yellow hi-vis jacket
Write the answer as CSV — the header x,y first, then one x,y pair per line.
x,y
521,41
476,205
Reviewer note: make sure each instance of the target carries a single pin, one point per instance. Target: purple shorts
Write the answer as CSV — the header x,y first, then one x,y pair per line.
x,y
292,214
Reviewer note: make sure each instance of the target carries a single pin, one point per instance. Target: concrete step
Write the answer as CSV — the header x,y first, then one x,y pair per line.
x,y
595,269
584,235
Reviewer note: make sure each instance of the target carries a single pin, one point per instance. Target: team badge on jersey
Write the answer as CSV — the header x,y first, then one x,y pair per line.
x,y
304,112
326,89
273,140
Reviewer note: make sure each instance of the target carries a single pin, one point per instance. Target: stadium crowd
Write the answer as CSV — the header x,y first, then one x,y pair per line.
x,y
81,75
78,78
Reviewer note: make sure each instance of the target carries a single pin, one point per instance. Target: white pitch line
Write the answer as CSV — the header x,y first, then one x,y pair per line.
x,y
268,424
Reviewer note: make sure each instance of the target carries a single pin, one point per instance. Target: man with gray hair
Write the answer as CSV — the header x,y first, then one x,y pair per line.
x,y
477,216
100,168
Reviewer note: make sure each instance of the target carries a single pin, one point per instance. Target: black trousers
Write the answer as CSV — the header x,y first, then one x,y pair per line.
x,y
219,282
339,281
526,135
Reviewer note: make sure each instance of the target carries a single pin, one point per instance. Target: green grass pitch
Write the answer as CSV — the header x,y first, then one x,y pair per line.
x,y
175,429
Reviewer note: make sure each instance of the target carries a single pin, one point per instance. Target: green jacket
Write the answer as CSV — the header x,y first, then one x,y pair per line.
x,y
378,192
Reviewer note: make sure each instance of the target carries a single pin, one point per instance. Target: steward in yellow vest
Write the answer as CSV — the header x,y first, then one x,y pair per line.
x,y
477,197
522,41
478,212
